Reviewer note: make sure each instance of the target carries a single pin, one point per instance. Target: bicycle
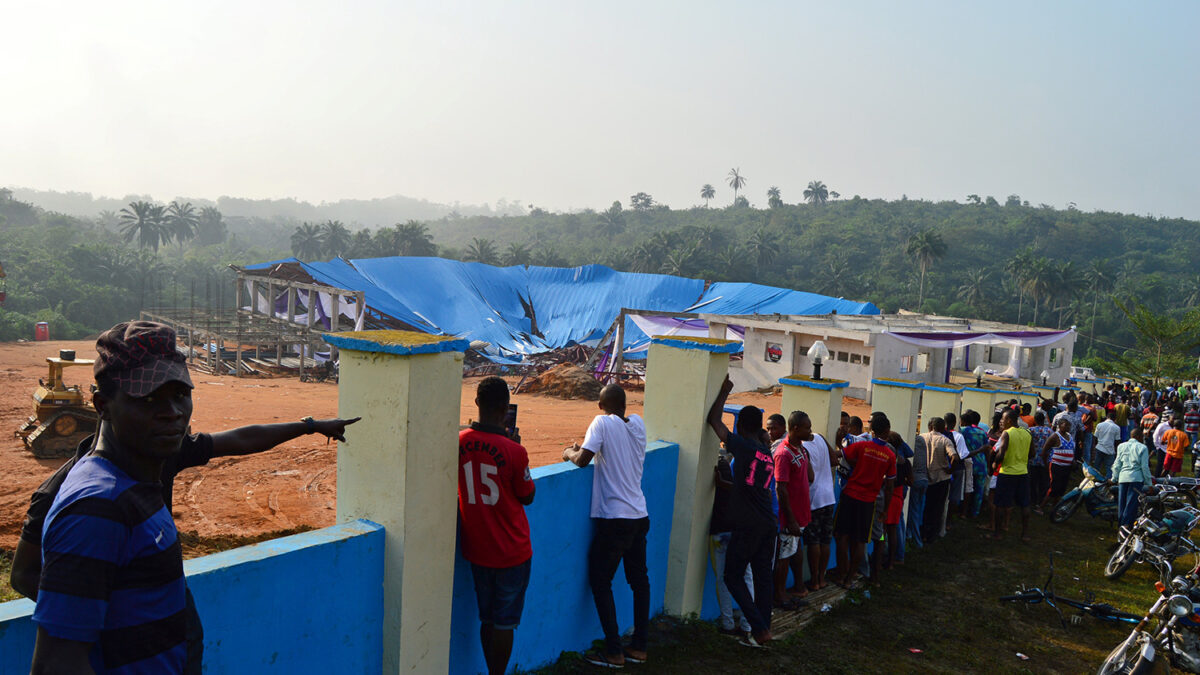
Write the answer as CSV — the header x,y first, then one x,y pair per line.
x,y
1046,594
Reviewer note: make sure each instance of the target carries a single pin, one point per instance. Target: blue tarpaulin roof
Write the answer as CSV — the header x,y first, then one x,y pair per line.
x,y
526,310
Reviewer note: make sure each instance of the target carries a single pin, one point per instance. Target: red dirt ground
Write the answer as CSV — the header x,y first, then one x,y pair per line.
x,y
290,486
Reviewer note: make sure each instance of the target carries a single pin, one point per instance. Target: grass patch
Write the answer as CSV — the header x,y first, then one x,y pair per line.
x,y
6,591
943,601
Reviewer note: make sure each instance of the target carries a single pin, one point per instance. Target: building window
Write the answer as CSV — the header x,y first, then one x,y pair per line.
x,y
866,360
906,363
923,362
856,358
843,357
1055,353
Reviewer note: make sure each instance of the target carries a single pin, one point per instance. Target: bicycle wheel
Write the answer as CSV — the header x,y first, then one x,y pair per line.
x,y
1121,559
1133,656
1065,508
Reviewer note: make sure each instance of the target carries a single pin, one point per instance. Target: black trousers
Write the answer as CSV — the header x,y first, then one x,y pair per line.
x,y
754,547
617,540
194,634
934,519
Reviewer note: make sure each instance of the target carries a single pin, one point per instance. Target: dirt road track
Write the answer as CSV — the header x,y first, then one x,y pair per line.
x,y
292,485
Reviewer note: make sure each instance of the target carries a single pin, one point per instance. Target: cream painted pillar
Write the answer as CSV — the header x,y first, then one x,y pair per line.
x,y
683,377
900,400
821,399
400,469
979,399
937,400
1028,397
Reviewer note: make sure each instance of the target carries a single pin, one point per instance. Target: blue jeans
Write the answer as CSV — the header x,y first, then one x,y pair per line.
x,y
916,510
1104,462
617,540
1127,502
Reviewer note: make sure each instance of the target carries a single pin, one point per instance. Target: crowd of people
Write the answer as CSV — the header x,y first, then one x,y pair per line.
x,y
100,554
785,493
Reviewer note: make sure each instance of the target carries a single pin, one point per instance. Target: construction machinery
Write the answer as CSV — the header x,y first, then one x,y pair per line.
x,y
61,417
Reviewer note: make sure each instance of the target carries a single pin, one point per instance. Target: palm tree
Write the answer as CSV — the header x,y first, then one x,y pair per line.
x,y
816,192
1066,282
833,194
706,193
517,254
926,246
1191,291
181,221
773,198
413,238
1017,267
335,237
482,250
612,221
677,260
973,290
1100,281
736,181
144,220
306,241
1039,282
762,247
210,229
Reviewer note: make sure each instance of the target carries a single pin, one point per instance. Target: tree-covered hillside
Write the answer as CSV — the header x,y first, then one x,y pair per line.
x,y
1010,262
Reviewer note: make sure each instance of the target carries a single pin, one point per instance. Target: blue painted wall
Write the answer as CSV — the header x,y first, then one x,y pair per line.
x,y
271,607
559,613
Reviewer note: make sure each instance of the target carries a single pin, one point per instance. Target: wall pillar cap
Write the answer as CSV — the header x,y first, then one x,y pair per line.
x,y
704,344
906,384
399,342
824,384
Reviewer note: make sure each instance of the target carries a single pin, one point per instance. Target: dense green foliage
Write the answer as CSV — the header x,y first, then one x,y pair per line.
x,y
1003,261
82,275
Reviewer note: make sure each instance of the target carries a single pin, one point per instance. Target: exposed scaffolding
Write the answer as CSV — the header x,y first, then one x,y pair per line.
x,y
273,328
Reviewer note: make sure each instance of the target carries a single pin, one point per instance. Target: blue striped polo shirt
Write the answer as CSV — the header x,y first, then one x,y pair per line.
x,y
112,571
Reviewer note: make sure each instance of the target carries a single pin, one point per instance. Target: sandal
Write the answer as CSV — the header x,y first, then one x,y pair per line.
x,y
597,657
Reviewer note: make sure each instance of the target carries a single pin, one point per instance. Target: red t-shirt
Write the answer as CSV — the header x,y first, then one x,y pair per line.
x,y
492,472
873,462
791,467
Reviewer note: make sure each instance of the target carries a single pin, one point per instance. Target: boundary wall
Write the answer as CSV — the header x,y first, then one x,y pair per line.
x,y
307,603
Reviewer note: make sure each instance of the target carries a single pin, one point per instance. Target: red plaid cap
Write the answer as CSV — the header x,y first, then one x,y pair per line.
x,y
139,357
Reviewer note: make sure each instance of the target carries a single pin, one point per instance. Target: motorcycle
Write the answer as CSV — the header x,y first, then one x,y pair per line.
x,y
1155,537
1095,491
1170,631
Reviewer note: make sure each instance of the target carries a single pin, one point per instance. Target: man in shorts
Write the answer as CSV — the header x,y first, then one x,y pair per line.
x,y
1012,481
818,535
793,476
494,487
873,466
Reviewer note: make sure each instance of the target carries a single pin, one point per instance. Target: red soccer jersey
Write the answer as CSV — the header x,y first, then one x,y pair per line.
x,y
492,472
873,462
791,467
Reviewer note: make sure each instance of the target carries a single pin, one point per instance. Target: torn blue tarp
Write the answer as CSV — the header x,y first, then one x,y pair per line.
x,y
527,310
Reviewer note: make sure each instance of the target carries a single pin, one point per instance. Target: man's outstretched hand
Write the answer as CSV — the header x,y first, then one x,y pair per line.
x,y
335,428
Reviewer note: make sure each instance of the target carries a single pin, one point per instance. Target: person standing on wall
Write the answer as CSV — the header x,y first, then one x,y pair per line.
x,y
752,542
494,487
620,523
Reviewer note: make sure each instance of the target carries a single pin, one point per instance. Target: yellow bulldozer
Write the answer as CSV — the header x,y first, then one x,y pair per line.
x,y
61,417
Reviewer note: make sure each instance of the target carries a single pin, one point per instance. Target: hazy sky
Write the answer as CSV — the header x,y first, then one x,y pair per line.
x,y
568,105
